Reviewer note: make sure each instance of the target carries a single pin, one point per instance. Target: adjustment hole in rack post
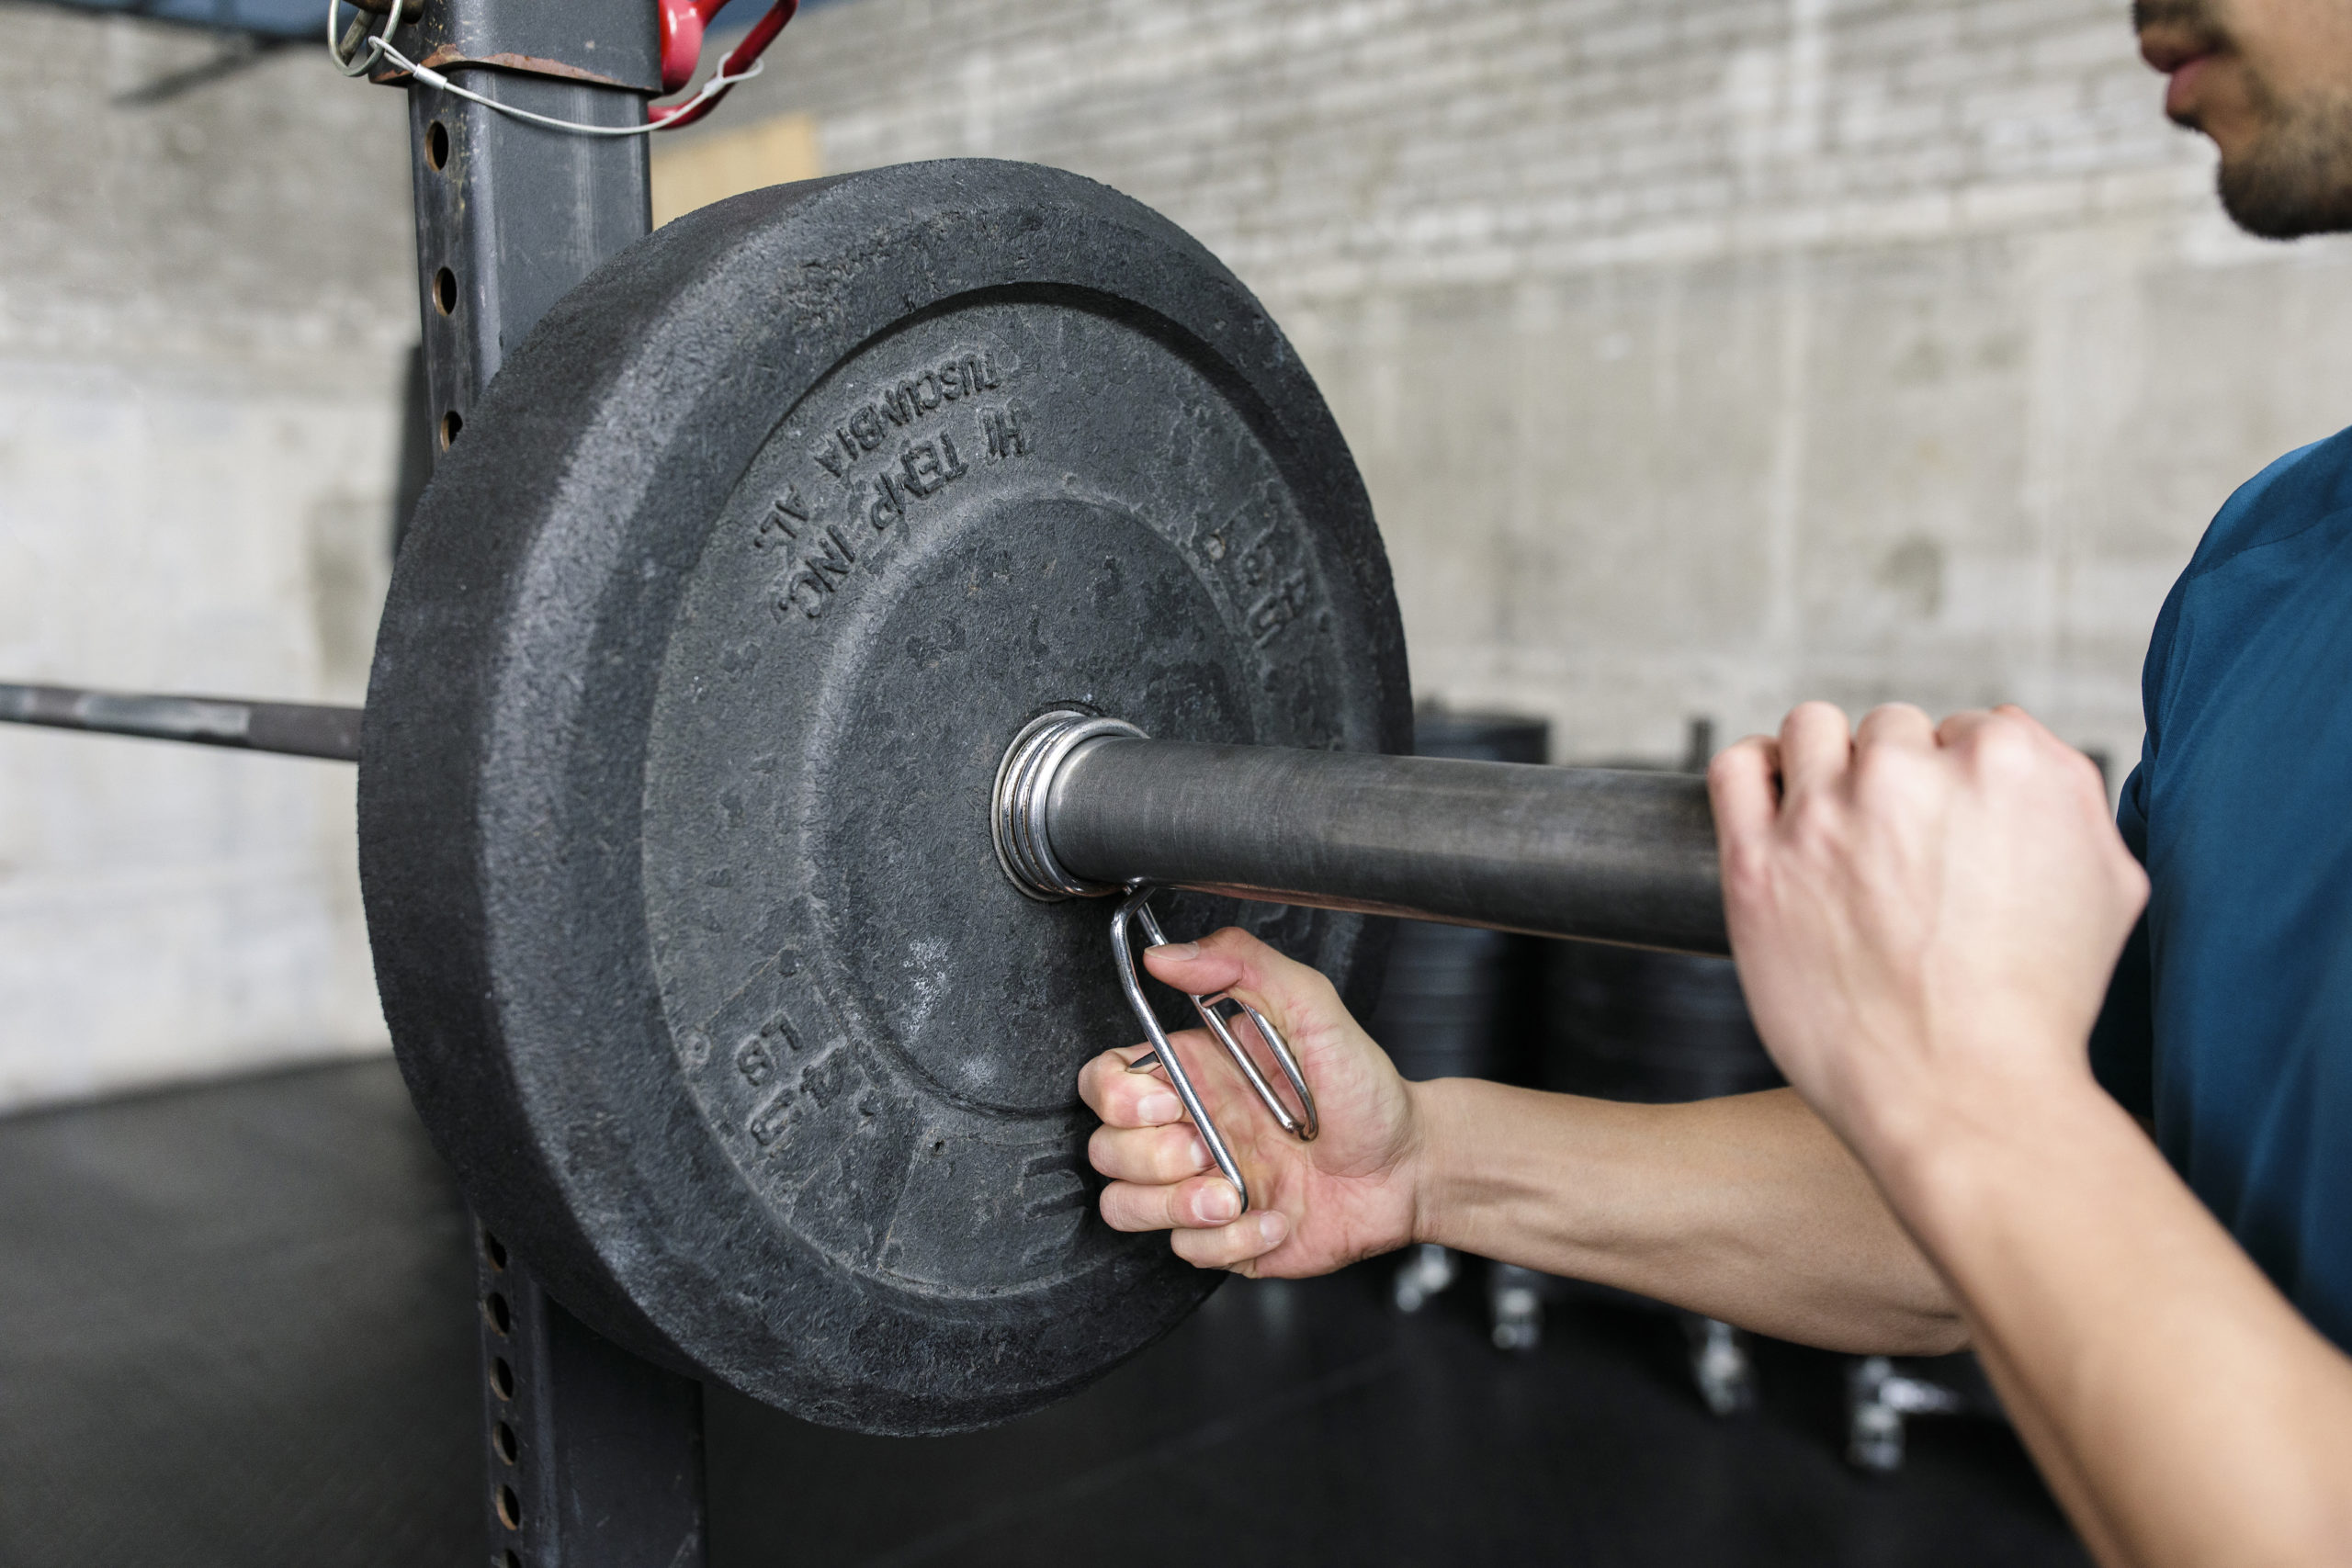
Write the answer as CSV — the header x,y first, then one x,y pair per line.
x,y
507,1559
496,1250
450,424
503,1436
502,1377
502,1318
445,291
510,1508
436,145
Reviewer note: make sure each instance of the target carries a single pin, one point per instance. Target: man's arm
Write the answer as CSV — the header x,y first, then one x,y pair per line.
x,y
2207,1423
1747,1209
1924,921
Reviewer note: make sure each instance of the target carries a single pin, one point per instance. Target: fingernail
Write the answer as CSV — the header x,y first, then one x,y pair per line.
x,y
1220,1204
1200,1154
1159,1109
1273,1228
1181,948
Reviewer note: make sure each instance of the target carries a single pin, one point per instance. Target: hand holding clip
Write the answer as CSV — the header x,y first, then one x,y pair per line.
x,y
1162,1057
1313,1206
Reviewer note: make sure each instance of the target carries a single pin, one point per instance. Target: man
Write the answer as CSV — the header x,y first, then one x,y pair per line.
x,y
1925,919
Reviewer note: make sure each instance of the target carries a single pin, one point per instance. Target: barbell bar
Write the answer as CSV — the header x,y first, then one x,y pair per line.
x,y
1599,854
1596,855
291,729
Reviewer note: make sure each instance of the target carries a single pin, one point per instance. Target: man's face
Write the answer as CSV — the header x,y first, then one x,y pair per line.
x,y
2270,81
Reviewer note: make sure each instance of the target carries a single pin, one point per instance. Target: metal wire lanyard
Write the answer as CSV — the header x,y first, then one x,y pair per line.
x,y
356,52
1135,908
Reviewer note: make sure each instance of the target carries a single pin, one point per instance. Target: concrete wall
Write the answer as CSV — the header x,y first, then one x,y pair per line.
x,y
1702,355
206,303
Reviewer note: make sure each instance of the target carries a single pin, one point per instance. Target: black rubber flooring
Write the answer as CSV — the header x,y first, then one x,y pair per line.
x,y
237,1328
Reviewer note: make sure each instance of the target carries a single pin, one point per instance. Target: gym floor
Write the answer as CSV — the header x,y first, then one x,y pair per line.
x,y
236,1328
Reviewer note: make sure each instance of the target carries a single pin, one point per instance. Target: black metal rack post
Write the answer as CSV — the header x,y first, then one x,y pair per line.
x,y
595,1454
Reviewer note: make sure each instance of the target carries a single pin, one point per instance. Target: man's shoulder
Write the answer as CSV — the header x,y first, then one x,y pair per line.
x,y
2275,562
2310,487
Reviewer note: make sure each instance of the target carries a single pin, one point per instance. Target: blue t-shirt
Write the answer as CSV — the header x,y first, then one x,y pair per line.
x,y
2230,1019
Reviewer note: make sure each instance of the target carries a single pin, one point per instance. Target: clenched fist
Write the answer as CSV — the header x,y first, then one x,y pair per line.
x,y
1925,915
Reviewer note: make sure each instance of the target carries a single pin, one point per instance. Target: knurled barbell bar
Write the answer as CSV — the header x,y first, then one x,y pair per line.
x,y
824,593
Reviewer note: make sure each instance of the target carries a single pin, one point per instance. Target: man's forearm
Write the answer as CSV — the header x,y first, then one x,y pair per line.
x,y
1747,1209
2197,1418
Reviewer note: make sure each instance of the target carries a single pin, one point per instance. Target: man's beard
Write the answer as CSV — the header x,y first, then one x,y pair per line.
x,y
2296,176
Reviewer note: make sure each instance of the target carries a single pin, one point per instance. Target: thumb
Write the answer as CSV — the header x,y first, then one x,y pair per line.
x,y
1233,960
1193,966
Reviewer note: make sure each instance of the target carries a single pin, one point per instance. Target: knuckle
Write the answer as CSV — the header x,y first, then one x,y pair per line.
x,y
1164,1154
1106,1085
1233,943
2005,747
1221,1248
1120,1212
1815,717
1882,769
1114,1102
1740,757
1197,1248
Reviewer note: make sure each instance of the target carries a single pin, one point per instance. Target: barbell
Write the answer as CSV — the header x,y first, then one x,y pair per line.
x,y
827,599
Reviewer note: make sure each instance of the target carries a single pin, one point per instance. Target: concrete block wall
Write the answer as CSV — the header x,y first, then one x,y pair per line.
x,y
207,298
1701,355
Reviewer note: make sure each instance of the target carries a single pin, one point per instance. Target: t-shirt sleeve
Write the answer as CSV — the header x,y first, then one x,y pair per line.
x,y
2123,1042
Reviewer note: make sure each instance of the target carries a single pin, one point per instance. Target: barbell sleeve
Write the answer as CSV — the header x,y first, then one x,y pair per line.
x,y
294,729
1596,854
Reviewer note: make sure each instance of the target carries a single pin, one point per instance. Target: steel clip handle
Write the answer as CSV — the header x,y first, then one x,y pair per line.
x,y
1303,1124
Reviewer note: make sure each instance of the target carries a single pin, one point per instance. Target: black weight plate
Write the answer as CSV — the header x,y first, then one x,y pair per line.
x,y
697,670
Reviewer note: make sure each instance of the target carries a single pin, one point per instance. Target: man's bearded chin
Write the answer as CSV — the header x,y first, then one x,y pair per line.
x,y
2296,176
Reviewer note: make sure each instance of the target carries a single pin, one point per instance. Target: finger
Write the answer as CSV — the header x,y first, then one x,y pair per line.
x,y
1895,724
1154,1156
1744,784
2040,733
1232,960
1248,1239
1817,748
1959,728
2008,739
1211,965
1199,1202
1123,1099
2005,737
